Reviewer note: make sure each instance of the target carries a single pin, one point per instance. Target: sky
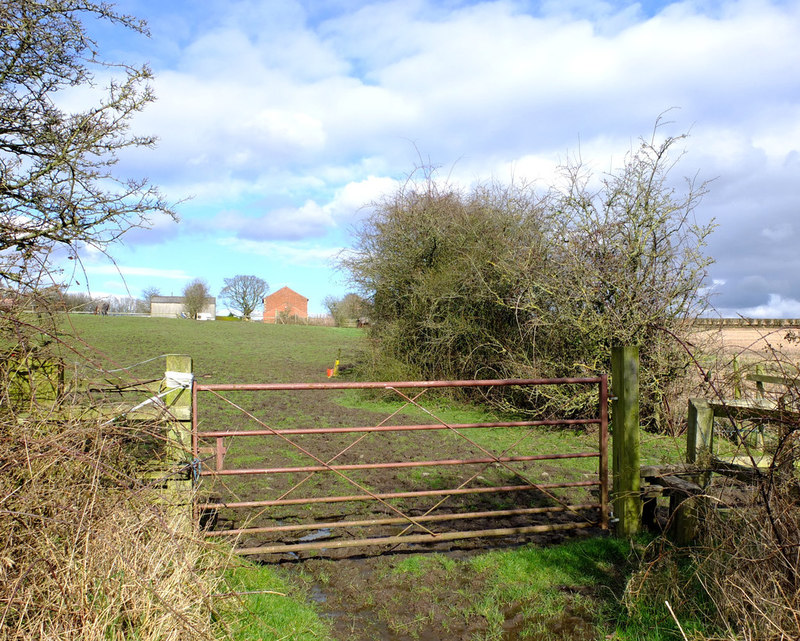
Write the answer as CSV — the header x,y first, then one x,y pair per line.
x,y
279,121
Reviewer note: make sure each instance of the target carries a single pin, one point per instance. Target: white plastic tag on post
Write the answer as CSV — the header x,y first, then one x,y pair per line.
x,y
178,379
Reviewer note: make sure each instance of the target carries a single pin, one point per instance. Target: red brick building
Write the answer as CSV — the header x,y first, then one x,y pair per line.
x,y
284,304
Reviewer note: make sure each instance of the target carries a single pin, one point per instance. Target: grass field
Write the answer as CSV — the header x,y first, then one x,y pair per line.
x,y
553,587
222,351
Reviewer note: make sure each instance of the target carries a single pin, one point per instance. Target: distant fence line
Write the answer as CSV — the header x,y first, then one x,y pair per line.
x,y
715,323
746,322
142,314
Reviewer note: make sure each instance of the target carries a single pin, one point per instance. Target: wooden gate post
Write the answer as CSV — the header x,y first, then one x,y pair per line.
x,y
627,498
179,431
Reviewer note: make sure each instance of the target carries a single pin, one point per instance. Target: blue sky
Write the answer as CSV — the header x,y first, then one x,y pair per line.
x,y
278,120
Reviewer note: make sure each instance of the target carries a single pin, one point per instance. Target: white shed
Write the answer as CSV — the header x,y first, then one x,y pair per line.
x,y
173,307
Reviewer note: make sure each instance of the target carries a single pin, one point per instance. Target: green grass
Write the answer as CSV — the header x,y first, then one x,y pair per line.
x,y
580,579
257,352
222,352
264,605
583,578
571,590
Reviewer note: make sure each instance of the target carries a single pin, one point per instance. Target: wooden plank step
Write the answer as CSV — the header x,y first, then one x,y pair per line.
x,y
677,485
743,404
776,380
741,467
667,469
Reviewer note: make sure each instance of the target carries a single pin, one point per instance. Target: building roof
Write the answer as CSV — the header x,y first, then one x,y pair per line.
x,y
284,289
177,299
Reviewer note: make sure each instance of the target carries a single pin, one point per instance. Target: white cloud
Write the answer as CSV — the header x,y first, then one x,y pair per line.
x,y
351,198
266,223
776,307
283,223
293,254
484,77
288,119
293,129
780,232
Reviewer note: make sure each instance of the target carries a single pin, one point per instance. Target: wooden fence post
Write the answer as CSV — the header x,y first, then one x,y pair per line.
x,y
699,430
737,378
179,431
686,511
627,499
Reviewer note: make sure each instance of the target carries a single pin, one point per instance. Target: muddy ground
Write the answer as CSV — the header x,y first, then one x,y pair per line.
x,y
315,409
367,597
357,589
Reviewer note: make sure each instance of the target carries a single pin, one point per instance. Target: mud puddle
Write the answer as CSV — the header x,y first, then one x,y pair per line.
x,y
368,599
408,596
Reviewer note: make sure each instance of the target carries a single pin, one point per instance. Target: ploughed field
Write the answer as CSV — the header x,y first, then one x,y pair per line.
x,y
752,343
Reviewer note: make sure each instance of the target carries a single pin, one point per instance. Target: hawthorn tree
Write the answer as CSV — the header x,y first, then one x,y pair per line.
x,y
58,188
64,119
244,293
513,281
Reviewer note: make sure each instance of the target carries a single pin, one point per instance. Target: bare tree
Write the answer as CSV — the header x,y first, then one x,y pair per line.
x,y
57,188
194,297
149,292
144,305
244,293
348,309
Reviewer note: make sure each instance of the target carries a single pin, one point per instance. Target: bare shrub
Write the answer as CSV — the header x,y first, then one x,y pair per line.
x,y
195,297
741,579
244,293
514,281
86,550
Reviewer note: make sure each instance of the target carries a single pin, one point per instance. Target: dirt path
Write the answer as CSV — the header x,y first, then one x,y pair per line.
x,y
370,594
397,597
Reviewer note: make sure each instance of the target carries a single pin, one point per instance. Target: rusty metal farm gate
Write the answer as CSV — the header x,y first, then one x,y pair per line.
x,y
284,476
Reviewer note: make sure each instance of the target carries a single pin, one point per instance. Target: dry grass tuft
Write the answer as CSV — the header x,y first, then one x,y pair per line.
x,y
86,550
750,570
741,580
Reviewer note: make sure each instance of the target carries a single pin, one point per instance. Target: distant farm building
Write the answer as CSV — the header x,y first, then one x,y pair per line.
x,y
283,305
173,307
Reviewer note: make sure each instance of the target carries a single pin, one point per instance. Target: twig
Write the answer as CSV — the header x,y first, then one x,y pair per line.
x,y
683,634
223,595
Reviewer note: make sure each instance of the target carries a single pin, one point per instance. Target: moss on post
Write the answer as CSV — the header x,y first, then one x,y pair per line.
x,y
687,512
627,498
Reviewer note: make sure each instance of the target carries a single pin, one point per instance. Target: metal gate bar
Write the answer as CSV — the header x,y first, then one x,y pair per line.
x,y
396,428
330,525
507,382
396,495
431,536
414,538
396,465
